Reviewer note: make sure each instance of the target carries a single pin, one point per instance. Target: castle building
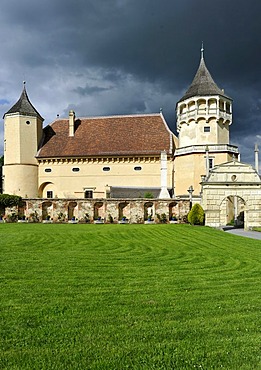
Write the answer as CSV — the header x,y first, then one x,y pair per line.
x,y
119,156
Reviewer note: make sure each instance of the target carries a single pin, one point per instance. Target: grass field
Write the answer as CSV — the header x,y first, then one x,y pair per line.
x,y
128,297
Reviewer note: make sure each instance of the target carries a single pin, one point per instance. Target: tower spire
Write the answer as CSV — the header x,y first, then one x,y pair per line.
x,y
203,83
24,106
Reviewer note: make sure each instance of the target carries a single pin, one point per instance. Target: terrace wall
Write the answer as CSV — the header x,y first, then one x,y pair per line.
x,y
108,210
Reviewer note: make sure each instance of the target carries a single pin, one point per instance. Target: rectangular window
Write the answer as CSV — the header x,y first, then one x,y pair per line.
x,y
88,194
207,129
49,194
211,163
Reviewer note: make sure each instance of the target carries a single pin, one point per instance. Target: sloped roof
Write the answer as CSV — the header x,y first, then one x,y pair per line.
x,y
99,136
24,106
202,84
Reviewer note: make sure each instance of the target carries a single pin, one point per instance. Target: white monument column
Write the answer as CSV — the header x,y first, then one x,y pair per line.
x,y
164,194
256,158
207,161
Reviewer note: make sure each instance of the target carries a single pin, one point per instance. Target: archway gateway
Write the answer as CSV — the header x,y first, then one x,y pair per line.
x,y
232,195
232,211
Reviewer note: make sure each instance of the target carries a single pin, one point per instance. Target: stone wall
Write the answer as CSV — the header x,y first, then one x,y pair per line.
x,y
106,210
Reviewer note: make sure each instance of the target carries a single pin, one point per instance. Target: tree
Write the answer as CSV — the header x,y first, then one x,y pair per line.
x,y
1,172
196,215
7,200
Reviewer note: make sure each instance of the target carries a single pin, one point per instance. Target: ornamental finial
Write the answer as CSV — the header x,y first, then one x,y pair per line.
x,y
202,50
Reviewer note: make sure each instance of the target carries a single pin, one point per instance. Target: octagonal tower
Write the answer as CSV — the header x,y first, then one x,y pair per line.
x,y
204,115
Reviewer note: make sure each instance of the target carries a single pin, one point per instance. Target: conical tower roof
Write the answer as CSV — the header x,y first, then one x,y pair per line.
x,y
203,83
23,106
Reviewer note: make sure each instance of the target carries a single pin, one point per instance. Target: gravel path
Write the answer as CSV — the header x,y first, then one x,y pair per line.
x,y
242,232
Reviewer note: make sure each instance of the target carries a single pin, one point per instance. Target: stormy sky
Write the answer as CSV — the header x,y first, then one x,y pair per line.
x,y
106,57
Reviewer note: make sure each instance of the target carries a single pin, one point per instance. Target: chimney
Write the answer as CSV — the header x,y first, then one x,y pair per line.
x,y
71,122
256,158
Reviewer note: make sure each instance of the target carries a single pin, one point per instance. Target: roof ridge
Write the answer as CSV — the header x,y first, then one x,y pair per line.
x,y
116,116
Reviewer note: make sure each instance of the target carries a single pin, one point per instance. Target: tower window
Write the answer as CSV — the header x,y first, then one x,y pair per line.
x,y
28,122
49,194
48,170
106,169
75,169
137,168
211,163
88,194
207,129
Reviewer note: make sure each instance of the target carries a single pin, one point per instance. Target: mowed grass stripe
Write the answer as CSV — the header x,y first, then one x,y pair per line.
x,y
128,297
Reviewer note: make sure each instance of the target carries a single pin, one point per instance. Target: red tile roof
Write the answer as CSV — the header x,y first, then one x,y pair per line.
x,y
110,136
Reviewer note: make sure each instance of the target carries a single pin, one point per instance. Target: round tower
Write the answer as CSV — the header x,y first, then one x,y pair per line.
x,y
22,136
204,115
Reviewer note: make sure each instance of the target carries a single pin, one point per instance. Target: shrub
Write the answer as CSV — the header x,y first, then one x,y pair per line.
x,y
111,218
162,218
196,215
148,195
13,217
7,200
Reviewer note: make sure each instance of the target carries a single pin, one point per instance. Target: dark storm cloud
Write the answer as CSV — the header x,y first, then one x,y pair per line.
x,y
130,56
90,90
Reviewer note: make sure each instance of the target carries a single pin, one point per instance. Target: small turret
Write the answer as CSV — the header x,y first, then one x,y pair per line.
x,y
22,137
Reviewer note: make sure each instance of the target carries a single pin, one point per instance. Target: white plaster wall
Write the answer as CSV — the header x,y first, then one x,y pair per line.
x,y
66,183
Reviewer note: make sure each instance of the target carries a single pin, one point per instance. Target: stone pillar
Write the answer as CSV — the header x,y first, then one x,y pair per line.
x,y
256,159
164,194
207,161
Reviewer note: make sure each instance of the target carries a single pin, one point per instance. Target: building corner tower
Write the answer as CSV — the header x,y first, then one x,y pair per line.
x,y
22,136
204,115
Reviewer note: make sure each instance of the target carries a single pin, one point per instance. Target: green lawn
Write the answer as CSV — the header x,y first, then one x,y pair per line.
x,y
128,297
